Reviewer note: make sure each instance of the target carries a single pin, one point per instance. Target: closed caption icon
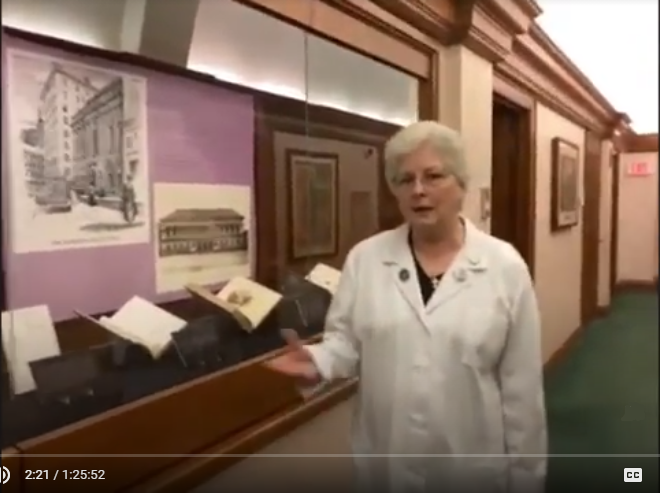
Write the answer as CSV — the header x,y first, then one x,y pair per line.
x,y
632,475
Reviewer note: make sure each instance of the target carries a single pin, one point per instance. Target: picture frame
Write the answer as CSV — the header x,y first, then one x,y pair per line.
x,y
565,182
313,203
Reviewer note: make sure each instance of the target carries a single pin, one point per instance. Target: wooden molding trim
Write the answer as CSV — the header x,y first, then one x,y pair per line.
x,y
511,90
627,141
435,19
632,143
635,285
346,23
488,32
219,457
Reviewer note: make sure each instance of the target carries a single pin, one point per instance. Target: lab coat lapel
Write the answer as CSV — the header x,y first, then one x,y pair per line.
x,y
400,262
469,262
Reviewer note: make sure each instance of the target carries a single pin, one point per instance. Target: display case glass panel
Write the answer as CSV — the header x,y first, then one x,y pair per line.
x,y
161,227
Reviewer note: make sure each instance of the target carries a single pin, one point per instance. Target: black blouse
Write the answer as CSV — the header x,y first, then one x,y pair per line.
x,y
426,282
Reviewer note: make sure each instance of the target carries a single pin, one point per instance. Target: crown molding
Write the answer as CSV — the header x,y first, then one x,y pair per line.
x,y
505,32
438,19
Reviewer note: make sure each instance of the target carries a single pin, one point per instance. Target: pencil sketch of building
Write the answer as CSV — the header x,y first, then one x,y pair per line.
x,y
33,158
199,231
79,169
202,234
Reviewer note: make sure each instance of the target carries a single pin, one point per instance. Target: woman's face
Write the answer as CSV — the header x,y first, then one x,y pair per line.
x,y
427,195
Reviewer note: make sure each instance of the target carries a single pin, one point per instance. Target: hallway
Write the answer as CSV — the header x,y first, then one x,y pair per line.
x,y
603,399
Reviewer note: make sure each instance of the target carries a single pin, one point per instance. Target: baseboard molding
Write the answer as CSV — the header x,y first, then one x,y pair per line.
x,y
602,311
636,285
564,350
194,471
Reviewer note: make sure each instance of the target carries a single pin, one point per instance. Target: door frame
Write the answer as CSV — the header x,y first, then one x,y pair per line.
x,y
508,93
592,163
615,164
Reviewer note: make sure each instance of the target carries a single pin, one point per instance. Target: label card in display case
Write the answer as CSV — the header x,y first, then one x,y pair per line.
x,y
247,301
28,335
326,277
141,322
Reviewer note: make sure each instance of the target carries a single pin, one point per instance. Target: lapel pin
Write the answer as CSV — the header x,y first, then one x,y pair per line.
x,y
404,275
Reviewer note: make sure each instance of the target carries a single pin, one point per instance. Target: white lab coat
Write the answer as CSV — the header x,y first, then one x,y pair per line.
x,y
460,377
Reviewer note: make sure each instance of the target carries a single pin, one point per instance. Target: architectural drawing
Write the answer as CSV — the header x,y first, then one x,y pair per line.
x,y
202,234
78,161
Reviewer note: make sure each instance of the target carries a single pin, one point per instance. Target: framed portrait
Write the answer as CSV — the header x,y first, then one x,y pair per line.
x,y
565,196
313,203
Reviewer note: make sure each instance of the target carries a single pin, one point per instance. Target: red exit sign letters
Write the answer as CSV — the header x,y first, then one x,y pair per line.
x,y
639,168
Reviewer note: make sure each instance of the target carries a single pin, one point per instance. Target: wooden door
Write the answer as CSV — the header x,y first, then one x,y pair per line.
x,y
503,178
513,204
591,227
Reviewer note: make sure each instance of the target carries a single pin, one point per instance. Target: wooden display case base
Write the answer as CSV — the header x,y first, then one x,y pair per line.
x,y
195,471
158,433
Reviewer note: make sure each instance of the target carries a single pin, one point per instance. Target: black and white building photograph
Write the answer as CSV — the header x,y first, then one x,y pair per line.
x,y
78,158
202,234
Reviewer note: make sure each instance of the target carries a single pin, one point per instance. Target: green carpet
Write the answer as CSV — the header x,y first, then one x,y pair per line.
x,y
603,399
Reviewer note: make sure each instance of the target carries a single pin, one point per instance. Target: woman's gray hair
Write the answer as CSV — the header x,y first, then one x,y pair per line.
x,y
446,142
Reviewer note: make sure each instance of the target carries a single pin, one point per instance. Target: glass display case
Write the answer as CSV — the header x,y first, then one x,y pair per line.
x,y
162,228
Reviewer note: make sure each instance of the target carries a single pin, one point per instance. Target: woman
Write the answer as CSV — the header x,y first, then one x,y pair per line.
x,y
440,322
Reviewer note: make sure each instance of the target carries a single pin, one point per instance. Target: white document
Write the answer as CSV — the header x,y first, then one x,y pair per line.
x,y
250,299
28,334
144,323
325,277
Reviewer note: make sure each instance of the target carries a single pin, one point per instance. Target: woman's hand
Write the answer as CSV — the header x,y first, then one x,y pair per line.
x,y
296,361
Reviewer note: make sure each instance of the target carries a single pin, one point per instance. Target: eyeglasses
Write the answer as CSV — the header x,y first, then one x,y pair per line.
x,y
427,180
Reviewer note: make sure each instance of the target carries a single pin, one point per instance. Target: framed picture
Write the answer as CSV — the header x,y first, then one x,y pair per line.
x,y
313,203
565,196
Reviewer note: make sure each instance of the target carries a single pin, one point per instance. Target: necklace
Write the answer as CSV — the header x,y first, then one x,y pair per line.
x,y
435,281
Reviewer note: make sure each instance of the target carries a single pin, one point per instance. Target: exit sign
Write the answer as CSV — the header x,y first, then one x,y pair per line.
x,y
640,168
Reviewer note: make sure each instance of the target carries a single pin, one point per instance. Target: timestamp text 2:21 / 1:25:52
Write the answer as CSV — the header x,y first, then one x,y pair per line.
x,y
65,474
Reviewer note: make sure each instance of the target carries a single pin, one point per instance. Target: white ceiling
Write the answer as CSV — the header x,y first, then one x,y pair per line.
x,y
615,44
